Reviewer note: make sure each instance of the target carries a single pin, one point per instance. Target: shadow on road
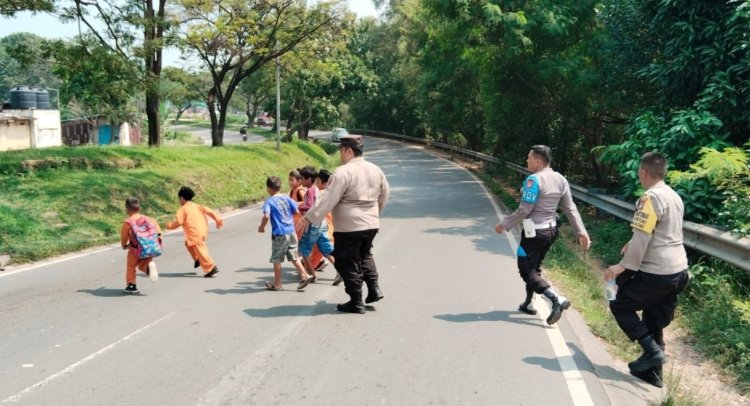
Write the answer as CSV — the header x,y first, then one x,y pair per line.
x,y
179,275
319,308
104,292
496,315
255,270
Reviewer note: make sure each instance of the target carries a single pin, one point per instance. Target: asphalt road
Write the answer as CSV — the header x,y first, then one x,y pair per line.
x,y
447,332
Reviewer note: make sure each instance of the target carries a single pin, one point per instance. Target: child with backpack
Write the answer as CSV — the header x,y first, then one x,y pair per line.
x,y
192,218
141,236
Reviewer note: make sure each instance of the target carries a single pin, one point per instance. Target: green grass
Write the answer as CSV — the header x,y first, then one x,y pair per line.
x,y
73,198
264,132
716,308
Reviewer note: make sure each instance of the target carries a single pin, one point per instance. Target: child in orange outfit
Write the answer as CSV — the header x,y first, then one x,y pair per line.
x,y
145,265
192,218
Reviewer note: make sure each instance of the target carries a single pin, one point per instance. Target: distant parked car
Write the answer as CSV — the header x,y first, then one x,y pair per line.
x,y
263,121
338,133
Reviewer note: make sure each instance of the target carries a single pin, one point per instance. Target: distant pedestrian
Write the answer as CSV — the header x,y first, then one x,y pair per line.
x,y
653,269
356,195
542,192
141,236
279,210
192,218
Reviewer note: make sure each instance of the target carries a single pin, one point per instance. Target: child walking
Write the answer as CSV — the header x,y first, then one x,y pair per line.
x,y
280,210
141,236
192,218
315,239
309,176
322,182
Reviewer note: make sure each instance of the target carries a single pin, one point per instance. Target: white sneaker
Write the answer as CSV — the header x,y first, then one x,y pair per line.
x,y
153,273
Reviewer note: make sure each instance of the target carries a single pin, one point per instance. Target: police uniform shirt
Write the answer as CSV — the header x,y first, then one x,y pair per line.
x,y
656,246
541,194
355,195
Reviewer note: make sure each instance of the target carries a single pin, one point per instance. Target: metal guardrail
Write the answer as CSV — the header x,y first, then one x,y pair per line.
x,y
711,241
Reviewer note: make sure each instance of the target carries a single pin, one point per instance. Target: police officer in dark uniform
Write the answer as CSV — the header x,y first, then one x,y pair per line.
x,y
542,192
653,270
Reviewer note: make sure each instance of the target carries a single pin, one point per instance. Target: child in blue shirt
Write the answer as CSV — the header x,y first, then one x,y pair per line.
x,y
280,210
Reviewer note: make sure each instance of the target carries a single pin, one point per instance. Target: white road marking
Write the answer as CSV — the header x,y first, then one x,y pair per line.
x,y
72,367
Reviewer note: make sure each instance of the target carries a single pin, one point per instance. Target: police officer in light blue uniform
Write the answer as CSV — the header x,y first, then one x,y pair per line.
x,y
542,192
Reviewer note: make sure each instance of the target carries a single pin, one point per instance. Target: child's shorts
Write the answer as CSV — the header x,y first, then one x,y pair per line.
x,y
283,246
315,235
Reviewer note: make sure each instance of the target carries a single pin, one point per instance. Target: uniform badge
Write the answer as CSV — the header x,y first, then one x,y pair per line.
x,y
645,215
530,190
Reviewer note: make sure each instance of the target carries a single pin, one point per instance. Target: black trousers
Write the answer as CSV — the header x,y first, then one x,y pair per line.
x,y
354,262
655,295
530,255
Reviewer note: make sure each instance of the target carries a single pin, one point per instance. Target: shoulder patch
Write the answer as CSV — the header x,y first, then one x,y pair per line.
x,y
645,215
530,190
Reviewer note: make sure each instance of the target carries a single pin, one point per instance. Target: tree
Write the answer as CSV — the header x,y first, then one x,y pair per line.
x,y
236,38
95,79
123,23
255,90
697,66
22,62
318,84
391,104
178,87
11,7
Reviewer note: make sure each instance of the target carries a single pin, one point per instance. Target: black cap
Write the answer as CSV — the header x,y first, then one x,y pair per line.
x,y
352,141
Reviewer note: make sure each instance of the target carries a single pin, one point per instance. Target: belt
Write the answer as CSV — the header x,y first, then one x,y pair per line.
x,y
544,226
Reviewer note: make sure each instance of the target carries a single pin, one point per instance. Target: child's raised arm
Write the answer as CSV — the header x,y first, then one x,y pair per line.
x,y
210,213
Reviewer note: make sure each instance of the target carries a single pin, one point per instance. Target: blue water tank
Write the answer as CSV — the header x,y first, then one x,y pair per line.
x,y
42,99
23,97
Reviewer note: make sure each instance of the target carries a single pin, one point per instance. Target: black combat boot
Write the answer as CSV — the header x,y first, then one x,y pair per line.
x,y
653,356
354,305
528,305
373,293
559,303
652,376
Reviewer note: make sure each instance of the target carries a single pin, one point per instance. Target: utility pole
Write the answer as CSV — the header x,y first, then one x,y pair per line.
x,y
278,106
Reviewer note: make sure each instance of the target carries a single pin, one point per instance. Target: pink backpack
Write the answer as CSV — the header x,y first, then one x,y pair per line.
x,y
145,238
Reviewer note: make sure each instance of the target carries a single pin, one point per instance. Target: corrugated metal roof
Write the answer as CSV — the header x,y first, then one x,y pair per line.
x,y
9,118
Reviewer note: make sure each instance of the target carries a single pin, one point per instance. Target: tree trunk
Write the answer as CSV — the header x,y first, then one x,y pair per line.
x,y
152,34
250,113
217,131
152,113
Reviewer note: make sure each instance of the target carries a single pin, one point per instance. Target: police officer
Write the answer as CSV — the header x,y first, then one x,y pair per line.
x,y
653,270
542,192
356,194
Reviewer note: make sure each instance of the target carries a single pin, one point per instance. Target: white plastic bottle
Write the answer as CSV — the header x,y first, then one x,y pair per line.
x,y
610,290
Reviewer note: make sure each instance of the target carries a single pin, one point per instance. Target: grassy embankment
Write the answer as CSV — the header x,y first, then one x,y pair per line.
x,y
59,200
714,310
